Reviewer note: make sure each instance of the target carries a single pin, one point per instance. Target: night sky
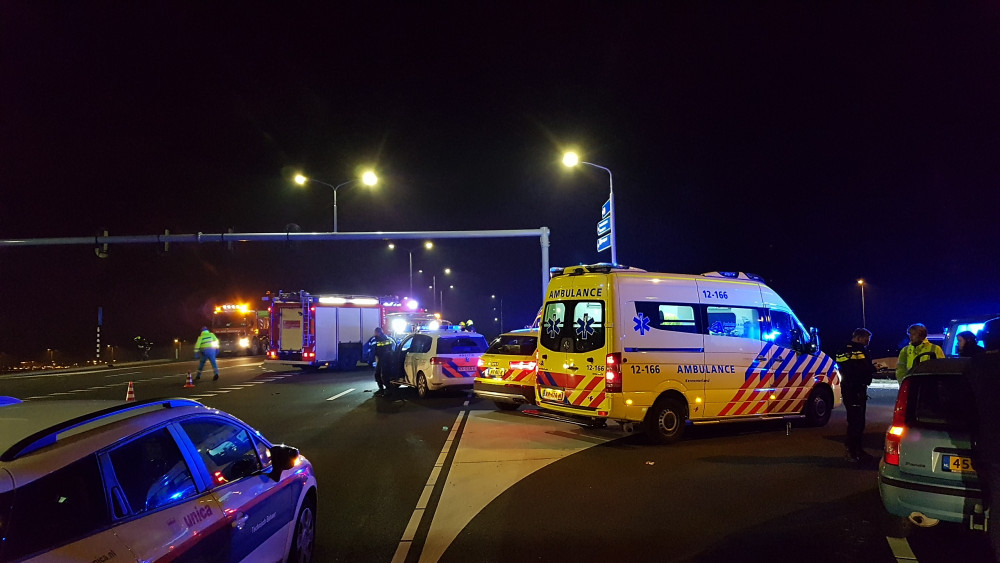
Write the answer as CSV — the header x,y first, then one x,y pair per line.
x,y
810,143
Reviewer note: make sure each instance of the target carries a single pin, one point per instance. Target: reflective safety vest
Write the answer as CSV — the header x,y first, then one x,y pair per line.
x,y
908,354
206,340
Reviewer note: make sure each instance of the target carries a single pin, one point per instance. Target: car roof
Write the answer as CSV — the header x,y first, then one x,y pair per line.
x,y
939,366
522,331
444,333
31,425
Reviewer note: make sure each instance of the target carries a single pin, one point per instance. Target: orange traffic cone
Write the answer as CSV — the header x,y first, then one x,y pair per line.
x,y
190,382
130,394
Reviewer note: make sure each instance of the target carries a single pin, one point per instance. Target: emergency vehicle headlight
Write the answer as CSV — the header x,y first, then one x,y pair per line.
x,y
433,325
244,342
398,325
215,344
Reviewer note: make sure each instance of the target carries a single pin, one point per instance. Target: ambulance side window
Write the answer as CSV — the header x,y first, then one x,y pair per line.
x,y
735,322
780,331
668,316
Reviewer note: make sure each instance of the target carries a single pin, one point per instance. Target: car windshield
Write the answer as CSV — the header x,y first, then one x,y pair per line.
x,y
514,345
461,345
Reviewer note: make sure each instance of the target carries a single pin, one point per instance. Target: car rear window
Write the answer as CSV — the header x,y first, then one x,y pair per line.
x,y
940,401
461,345
511,345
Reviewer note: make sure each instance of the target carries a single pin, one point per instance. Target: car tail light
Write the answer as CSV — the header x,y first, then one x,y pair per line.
x,y
273,354
436,361
895,434
523,365
613,373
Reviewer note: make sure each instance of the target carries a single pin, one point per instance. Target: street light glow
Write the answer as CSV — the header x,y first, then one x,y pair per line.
x,y
428,245
447,270
861,282
571,159
300,179
392,246
369,178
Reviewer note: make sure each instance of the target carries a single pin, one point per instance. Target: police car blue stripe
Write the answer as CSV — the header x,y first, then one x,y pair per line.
x,y
795,369
753,365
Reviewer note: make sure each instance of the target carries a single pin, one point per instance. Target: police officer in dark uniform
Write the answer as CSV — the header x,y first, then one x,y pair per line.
x,y
383,349
856,370
983,376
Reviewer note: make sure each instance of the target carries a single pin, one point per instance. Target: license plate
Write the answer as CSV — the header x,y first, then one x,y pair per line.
x,y
466,368
496,372
957,464
550,394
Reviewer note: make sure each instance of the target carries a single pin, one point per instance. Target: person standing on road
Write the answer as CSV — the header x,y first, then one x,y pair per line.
x,y
968,347
983,376
918,345
383,348
856,370
207,348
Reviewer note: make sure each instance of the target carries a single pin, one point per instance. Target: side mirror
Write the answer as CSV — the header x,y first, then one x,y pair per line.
x,y
282,458
813,340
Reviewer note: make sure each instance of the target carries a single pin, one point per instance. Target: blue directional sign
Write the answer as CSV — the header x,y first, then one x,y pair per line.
x,y
606,208
603,226
603,243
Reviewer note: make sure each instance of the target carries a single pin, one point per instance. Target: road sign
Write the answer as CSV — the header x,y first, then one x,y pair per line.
x,y
603,243
603,226
606,208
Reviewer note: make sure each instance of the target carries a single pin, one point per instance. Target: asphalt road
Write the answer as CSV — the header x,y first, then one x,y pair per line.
x,y
452,479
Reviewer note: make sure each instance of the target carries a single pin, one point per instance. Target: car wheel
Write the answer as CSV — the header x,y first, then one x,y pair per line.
x,y
303,540
422,390
665,421
505,406
818,407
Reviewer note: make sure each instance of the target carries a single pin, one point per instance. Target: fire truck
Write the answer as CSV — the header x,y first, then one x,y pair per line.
x,y
241,330
311,331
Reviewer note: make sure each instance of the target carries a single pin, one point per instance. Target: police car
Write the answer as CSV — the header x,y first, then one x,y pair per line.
x,y
437,359
506,372
148,481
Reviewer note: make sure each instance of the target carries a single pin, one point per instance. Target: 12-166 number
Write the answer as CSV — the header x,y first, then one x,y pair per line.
x,y
646,368
715,294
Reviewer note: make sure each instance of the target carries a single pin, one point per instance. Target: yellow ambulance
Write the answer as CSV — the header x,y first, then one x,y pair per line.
x,y
664,350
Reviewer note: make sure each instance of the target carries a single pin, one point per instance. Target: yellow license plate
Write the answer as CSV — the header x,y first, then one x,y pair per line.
x,y
957,464
496,372
553,394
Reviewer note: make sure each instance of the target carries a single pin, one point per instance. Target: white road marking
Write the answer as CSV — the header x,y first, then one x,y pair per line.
x,y
418,512
204,396
62,393
242,385
901,549
230,389
121,374
339,395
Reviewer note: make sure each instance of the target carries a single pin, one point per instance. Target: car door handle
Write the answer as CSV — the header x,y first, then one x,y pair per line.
x,y
241,520
572,368
778,358
761,358
590,360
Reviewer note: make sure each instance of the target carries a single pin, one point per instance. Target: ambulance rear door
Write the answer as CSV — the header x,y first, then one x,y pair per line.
x,y
734,352
571,374
661,337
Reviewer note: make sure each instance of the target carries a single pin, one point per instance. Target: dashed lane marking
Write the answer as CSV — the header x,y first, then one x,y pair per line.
x,y
339,395
901,549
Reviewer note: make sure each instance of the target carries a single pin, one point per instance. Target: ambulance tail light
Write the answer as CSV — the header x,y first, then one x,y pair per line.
x,y
273,354
481,363
613,373
530,366
895,434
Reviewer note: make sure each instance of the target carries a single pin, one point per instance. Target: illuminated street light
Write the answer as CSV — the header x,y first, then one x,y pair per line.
x,y
500,319
864,322
368,178
428,245
571,159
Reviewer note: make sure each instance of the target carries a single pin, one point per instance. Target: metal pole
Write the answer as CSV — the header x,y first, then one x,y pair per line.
x,y
335,211
434,293
611,205
411,274
543,239
864,322
501,315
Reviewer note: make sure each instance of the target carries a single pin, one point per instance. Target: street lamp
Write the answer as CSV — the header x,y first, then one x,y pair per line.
x,y
501,312
368,178
571,159
864,323
434,289
428,245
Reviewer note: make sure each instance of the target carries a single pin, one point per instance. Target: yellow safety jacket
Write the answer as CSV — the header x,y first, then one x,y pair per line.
x,y
908,354
206,340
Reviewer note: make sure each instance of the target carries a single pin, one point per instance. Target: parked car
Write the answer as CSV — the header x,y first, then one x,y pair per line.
x,y
926,473
154,480
437,359
506,372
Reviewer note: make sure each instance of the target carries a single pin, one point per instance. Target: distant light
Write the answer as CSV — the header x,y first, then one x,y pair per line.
x,y
861,282
392,246
571,159
398,325
428,245
447,270
451,287
493,296
433,325
412,304
300,179
369,178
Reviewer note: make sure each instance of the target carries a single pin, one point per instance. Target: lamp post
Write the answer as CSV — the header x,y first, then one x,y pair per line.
x,y
501,311
428,245
368,178
864,322
571,159
434,289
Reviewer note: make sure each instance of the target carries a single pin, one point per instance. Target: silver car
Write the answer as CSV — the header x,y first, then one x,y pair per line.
x,y
926,474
